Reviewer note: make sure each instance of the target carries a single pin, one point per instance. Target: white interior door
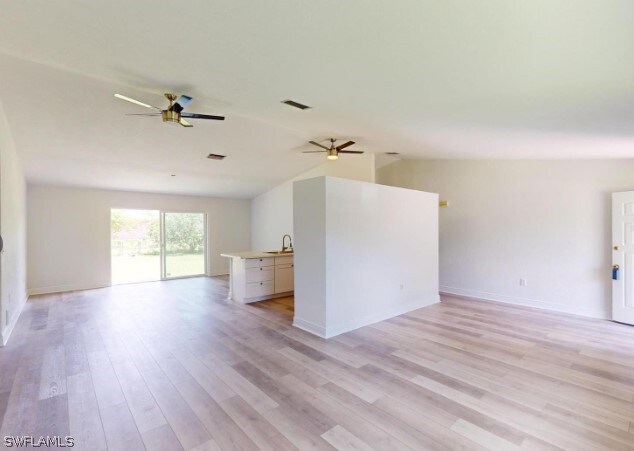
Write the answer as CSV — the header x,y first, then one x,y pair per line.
x,y
623,257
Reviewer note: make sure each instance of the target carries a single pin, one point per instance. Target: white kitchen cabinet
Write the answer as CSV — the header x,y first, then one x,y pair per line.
x,y
256,276
284,278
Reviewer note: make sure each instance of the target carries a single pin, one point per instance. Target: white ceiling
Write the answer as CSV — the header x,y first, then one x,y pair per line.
x,y
429,79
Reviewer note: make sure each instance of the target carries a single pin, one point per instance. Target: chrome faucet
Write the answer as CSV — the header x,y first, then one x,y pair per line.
x,y
290,243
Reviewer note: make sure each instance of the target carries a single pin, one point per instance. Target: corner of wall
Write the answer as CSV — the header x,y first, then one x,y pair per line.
x,y
13,226
310,327
357,323
6,333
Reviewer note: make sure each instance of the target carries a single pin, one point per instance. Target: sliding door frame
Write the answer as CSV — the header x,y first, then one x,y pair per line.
x,y
164,250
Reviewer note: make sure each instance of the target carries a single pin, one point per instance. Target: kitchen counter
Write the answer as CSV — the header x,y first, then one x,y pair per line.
x,y
254,254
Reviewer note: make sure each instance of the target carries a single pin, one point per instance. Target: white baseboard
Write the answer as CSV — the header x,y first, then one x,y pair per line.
x,y
338,329
310,327
91,286
65,288
285,294
6,333
598,313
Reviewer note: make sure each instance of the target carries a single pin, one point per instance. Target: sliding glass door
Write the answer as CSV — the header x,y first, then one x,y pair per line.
x,y
150,245
184,244
135,245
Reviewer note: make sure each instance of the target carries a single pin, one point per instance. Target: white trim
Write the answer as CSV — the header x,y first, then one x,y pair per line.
x,y
4,336
312,328
380,316
95,286
494,297
65,288
338,329
284,294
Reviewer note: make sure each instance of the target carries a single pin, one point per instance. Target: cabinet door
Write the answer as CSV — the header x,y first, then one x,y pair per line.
x,y
284,278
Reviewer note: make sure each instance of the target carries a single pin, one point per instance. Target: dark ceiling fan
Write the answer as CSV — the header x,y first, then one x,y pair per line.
x,y
332,151
174,112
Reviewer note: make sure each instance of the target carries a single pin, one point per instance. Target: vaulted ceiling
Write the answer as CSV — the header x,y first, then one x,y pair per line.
x,y
428,79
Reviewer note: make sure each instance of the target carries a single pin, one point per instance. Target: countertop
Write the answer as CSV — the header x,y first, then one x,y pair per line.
x,y
254,254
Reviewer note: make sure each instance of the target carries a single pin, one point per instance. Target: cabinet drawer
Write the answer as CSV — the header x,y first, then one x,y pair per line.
x,y
257,262
257,289
283,260
261,274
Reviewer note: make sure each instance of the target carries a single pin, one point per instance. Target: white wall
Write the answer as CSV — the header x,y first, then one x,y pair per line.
x,y
363,253
272,212
69,232
310,254
545,221
13,229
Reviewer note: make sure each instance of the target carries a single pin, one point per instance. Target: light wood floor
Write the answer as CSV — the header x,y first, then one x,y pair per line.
x,y
173,365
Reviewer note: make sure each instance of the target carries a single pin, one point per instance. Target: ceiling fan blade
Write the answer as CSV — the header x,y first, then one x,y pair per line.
x,y
181,103
184,100
202,116
128,99
318,145
343,146
314,151
184,123
350,151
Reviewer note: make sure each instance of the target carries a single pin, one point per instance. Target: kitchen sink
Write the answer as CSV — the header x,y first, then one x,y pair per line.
x,y
279,252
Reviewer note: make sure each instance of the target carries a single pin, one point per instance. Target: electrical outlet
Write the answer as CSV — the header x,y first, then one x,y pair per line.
x,y
523,282
402,286
7,317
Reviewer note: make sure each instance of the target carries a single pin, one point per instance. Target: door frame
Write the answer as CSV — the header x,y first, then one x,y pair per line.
x,y
164,253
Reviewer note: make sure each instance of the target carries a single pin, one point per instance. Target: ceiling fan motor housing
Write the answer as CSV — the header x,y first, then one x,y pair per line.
x,y
171,116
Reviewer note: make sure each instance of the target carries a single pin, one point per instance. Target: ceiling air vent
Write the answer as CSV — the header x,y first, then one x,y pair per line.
x,y
295,104
392,153
215,156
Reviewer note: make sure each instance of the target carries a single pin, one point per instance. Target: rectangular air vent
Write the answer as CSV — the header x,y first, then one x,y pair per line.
x,y
392,153
295,104
215,156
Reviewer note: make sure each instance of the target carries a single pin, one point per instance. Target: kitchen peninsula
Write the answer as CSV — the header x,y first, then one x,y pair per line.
x,y
256,276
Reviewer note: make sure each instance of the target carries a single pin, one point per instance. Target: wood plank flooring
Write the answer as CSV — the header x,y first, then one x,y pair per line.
x,y
173,365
